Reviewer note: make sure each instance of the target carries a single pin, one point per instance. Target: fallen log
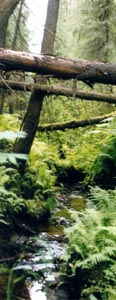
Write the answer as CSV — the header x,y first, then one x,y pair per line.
x,y
58,91
73,124
83,70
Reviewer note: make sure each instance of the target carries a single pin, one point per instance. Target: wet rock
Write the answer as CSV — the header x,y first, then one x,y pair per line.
x,y
74,196
58,294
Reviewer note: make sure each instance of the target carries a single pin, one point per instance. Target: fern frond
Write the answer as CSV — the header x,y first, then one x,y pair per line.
x,y
92,260
111,251
110,230
111,293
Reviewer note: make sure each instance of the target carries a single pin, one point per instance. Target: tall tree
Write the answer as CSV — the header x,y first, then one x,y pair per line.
x,y
92,34
67,28
97,30
17,27
18,33
6,9
32,116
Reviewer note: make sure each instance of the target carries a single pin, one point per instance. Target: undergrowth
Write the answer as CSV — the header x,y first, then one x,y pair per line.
x,y
58,157
26,197
90,259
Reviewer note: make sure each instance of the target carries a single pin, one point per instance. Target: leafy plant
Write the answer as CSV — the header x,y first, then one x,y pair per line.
x,y
10,203
90,259
103,171
6,156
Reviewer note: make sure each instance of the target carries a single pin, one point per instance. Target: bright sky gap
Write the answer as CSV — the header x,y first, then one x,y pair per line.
x,y
36,22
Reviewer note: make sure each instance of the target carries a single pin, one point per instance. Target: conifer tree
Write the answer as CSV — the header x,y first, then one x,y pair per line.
x,y
97,32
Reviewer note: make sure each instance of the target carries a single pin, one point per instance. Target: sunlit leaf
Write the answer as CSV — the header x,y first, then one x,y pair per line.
x,y
11,135
92,297
12,157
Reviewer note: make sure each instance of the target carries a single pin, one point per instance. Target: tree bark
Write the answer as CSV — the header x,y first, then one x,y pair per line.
x,y
32,115
83,70
29,124
50,27
58,91
73,124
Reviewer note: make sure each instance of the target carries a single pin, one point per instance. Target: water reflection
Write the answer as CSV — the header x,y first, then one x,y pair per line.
x,y
36,292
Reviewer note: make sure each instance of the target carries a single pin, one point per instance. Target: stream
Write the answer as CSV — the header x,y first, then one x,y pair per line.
x,y
42,253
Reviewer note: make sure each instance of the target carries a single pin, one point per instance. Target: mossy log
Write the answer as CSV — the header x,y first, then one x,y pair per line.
x,y
74,123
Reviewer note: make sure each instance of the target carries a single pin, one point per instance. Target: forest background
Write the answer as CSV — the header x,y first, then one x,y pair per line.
x,y
66,154
85,30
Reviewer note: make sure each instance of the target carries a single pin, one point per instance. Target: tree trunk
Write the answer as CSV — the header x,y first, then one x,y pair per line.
x,y
83,70
6,9
32,115
29,124
50,27
17,25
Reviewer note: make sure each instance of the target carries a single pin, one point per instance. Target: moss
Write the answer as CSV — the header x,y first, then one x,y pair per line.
x,y
51,203
36,210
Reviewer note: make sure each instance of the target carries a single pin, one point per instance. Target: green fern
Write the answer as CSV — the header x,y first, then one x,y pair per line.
x,y
91,250
103,171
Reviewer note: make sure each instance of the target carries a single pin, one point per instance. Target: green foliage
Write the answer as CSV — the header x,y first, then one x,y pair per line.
x,y
43,157
103,200
10,203
90,259
24,196
8,121
79,150
5,146
35,208
36,186
98,36
103,170
96,40
51,203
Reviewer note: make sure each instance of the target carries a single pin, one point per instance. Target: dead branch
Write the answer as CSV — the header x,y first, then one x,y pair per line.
x,y
53,90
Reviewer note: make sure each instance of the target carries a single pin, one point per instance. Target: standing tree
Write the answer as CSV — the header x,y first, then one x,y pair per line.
x,y
32,116
6,9
93,36
98,37
17,39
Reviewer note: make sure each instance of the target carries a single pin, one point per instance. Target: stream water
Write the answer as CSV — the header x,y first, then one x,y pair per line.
x,y
45,250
